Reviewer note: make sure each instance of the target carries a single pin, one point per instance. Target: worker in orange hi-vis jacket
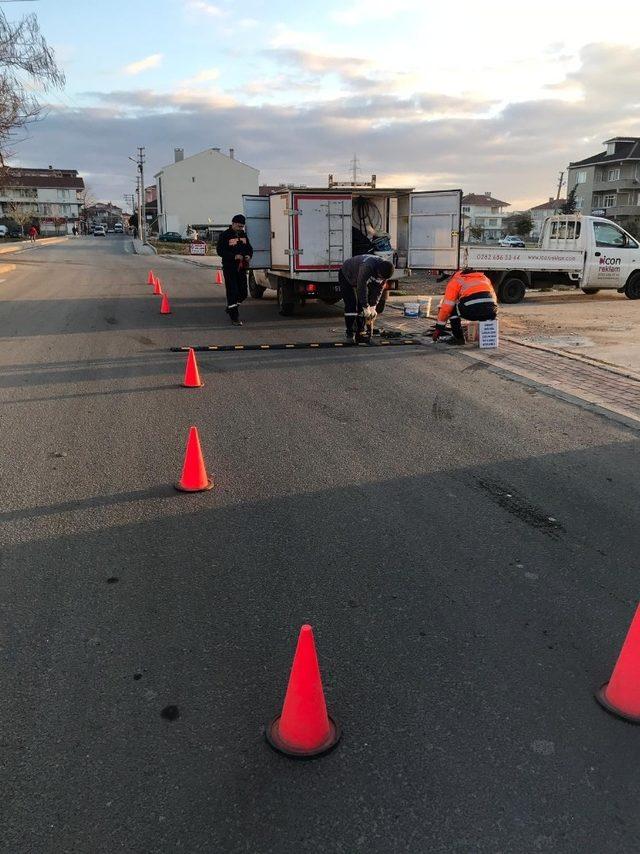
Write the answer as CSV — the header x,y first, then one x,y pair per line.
x,y
469,295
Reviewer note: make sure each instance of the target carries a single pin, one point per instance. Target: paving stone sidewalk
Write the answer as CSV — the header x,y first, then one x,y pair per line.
x,y
606,388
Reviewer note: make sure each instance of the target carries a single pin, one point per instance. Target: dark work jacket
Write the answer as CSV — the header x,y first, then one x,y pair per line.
x,y
361,272
228,253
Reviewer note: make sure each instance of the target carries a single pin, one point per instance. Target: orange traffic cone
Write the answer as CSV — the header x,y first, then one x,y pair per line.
x,y
191,374
165,308
219,279
304,728
621,694
194,476
151,277
157,287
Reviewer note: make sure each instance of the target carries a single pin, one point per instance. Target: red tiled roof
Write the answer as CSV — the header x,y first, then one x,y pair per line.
x,y
484,201
550,206
41,178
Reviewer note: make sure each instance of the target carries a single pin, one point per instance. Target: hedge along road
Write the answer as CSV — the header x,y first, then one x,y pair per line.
x,y
461,545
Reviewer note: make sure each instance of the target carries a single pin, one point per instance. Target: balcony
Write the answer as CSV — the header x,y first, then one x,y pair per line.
x,y
623,210
629,183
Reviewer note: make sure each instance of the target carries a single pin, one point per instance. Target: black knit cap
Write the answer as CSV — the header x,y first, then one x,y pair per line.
x,y
239,218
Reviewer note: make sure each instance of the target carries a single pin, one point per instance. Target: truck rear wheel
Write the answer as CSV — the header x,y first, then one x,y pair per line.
x,y
511,290
590,291
256,290
632,288
286,299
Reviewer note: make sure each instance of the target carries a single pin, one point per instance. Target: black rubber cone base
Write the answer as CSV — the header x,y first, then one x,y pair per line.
x,y
601,697
272,734
181,488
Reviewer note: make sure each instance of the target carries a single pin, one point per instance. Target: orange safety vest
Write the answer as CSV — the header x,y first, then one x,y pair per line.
x,y
462,285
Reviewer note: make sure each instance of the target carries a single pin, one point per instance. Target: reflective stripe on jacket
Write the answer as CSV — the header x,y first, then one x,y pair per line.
x,y
468,288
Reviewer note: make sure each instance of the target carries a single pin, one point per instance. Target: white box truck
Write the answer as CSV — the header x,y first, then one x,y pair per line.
x,y
302,237
588,252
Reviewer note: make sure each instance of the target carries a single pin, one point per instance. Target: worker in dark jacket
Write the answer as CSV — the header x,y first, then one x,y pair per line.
x,y
362,280
235,250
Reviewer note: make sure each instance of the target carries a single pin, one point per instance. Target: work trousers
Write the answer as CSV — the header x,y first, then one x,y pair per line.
x,y
235,283
353,311
481,311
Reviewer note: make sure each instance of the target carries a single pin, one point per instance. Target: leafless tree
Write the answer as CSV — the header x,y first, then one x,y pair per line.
x,y
27,66
20,214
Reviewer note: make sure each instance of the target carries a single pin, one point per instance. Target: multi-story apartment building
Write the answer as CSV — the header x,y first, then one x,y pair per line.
x,y
608,183
483,212
46,197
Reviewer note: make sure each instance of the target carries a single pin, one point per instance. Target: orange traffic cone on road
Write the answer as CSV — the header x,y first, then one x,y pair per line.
x,y
151,278
191,374
219,279
621,694
304,728
165,308
157,287
194,476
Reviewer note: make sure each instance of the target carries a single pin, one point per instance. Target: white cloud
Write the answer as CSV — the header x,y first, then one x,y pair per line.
x,y
206,75
206,8
141,65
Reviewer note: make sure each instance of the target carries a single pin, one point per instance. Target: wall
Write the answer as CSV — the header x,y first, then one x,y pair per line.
x,y
205,188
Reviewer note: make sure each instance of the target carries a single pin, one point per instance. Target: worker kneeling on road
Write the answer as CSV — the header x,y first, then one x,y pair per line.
x,y
235,250
362,280
469,295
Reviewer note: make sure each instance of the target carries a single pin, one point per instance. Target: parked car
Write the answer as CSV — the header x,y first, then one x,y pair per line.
x,y
99,231
513,241
3,231
118,228
170,237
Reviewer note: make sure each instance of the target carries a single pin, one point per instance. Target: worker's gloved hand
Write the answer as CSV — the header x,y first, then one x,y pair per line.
x,y
438,332
370,313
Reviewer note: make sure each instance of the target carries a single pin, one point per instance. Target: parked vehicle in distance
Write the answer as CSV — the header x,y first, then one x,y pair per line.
x,y
118,228
589,252
99,231
512,240
170,237
3,231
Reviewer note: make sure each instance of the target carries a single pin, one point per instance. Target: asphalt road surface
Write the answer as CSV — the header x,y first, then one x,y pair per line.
x,y
465,547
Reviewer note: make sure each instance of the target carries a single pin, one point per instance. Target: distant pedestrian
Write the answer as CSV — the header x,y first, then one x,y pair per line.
x,y
75,231
235,250
33,233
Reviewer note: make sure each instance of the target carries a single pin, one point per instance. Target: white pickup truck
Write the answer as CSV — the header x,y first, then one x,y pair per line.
x,y
589,252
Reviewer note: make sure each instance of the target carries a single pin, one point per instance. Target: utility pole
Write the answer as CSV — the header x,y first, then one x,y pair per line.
x,y
354,168
560,183
139,160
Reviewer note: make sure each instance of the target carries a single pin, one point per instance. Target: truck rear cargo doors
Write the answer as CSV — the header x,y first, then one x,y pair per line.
x,y
429,229
256,211
321,231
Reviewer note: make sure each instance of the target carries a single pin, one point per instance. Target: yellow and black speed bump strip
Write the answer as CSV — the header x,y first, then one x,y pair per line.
x,y
320,345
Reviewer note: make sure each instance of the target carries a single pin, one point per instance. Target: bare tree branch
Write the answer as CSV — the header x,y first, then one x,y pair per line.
x,y
26,62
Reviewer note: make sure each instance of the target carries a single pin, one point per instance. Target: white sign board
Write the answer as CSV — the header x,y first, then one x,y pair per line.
x,y
488,337
197,248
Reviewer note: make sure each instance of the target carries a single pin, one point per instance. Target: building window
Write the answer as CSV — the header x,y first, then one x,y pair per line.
x,y
193,180
493,222
578,201
581,177
613,174
466,208
63,194
609,200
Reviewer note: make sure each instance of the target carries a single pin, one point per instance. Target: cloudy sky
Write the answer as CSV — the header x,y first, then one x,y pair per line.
x,y
428,94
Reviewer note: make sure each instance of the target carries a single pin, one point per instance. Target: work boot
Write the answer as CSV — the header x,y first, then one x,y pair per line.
x,y
363,338
234,315
455,340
